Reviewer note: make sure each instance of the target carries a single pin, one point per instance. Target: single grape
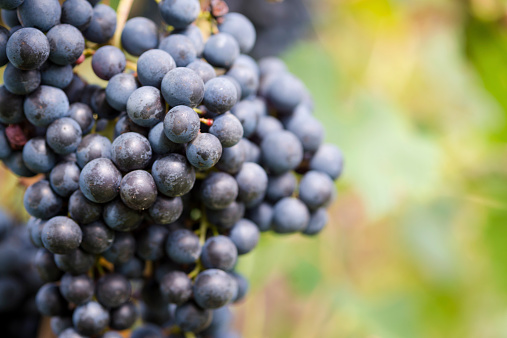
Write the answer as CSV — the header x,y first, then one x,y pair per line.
x,y
108,61
77,289
46,266
280,186
183,246
281,151
232,158
221,50
219,252
179,13
176,287
40,201
245,235
123,317
100,106
220,324
49,301
45,105
240,28
66,43
56,75
159,142
243,111
40,14
328,159
77,262
290,215
227,217
21,82
213,289
150,243
139,35
100,180
191,318
182,86
70,333
38,156
219,95
195,35
82,210
93,146
243,286
251,150
97,237
61,235
309,131
131,151
83,115
119,89
146,107
318,220
173,175
271,65
64,136
285,92
64,178
59,324
180,47
244,60
204,151
90,318
119,217
16,164
228,129
75,89
152,66
218,191
113,290
181,124
266,125
27,48
138,190
252,183
315,189
34,226
247,78
166,210
77,13
203,69
122,250
103,24
261,215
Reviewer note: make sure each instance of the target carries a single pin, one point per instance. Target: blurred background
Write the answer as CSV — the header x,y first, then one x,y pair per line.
x,y
415,94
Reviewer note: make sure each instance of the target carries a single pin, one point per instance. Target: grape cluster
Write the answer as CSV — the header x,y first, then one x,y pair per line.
x,y
209,149
19,280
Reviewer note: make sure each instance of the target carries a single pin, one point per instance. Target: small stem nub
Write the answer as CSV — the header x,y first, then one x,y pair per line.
x,y
208,122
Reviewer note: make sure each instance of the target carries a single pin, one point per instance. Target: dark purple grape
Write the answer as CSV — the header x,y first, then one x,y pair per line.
x,y
97,237
176,287
138,190
108,61
139,35
66,43
213,289
100,180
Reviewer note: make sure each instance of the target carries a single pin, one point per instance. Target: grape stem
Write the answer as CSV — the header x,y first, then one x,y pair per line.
x,y
122,14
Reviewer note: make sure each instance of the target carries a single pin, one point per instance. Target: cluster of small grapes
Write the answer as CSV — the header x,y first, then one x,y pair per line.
x,y
210,148
19,280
